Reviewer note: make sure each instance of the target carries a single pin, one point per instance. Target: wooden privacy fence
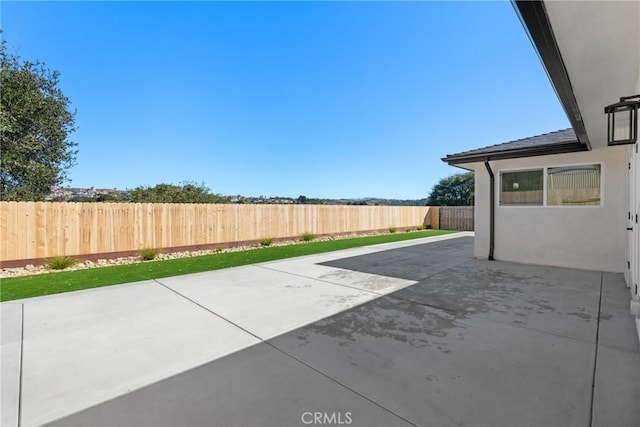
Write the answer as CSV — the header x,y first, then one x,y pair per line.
x,y
456,218
36,230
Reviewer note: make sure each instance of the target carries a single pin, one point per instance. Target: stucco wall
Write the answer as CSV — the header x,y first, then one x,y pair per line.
x,y
577,237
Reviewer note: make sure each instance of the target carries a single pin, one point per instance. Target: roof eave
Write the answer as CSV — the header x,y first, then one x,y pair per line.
x,y
545,150
533,16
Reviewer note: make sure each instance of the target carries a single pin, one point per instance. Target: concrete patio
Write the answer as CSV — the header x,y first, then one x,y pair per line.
x,y
412,333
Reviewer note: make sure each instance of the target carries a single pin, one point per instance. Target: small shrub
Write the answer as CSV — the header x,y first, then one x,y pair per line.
x,y
218,250
393,229
266,241
421,227
307,237
147,254
61,262
408,230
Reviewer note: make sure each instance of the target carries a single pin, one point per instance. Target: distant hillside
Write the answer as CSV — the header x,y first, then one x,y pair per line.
x,y
113,195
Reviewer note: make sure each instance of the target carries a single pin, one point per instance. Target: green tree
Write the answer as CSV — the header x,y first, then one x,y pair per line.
x,y
35,125
187,192
112,197
456,190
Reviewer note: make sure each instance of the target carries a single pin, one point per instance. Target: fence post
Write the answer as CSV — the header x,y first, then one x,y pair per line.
x,y
434,217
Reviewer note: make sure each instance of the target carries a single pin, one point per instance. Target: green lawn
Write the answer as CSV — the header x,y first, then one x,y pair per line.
x,y
54,283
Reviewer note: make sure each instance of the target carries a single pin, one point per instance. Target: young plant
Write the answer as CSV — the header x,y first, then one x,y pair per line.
x,y
307,237
61,262
147,254
266,241
421,227
393,229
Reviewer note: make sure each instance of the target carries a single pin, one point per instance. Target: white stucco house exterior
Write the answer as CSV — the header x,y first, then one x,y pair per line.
x,y
568,198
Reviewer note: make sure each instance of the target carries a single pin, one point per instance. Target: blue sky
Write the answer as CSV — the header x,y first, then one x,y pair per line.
x,y
322,99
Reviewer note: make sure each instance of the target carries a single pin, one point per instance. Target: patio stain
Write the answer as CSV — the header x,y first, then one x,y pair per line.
x,y
495,291
346,301
583,316
510,297
375,286
429,377
375,283
298,286
339,274
398,320
606,316
428,313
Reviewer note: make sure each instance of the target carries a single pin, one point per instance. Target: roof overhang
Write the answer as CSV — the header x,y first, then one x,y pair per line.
x,y
533,15
541,150
591,53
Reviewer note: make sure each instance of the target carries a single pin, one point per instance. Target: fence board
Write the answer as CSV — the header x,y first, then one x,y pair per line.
x,y
31,230
456,218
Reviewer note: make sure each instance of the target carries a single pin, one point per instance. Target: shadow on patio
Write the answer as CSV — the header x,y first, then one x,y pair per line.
x,y
473,342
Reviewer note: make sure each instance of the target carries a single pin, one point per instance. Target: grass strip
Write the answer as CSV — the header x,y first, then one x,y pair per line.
x,y
53,283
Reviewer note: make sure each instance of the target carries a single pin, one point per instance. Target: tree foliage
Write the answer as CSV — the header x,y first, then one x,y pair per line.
x,y
456,190
35,125
187,192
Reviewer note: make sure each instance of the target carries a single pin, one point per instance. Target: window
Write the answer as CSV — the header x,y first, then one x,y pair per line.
x,y
577,185
573,186
522,188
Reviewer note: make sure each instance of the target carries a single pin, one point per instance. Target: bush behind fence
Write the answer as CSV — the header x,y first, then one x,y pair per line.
x,y
34,230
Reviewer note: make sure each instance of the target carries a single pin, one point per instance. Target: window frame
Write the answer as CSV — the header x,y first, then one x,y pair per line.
x,y
544,183
545,174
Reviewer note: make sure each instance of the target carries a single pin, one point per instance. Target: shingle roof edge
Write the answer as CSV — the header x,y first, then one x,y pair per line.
x,y
561,141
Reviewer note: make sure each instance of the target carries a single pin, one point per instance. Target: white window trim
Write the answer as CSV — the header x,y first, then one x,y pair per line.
x,y
545,173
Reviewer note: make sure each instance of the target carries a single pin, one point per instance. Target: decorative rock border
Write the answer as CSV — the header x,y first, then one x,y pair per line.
x,y
31,269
